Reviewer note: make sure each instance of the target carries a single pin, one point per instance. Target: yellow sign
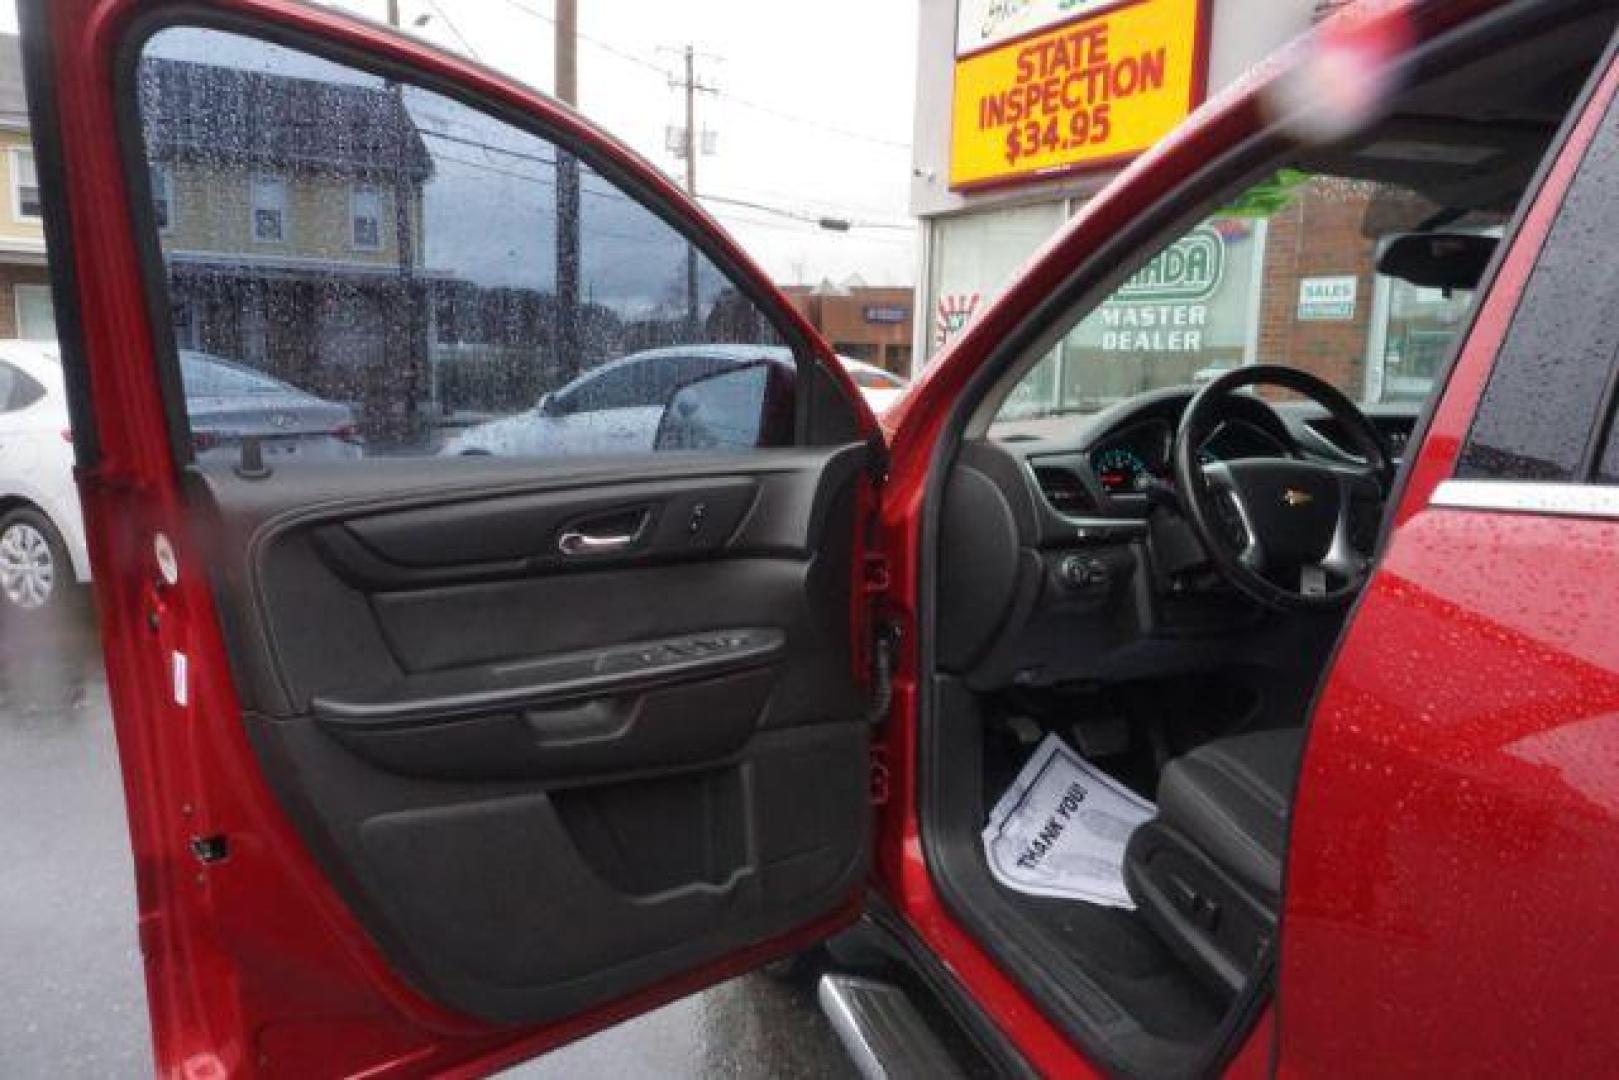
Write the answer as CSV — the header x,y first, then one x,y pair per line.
x,y
1085,94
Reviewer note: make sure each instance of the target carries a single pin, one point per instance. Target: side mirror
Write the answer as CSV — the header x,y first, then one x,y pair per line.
x,y
551,405
1437,260
721,411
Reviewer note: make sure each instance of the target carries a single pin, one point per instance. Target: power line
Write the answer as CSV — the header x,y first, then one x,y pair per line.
x,y
456,30
747,103
641,61
807,217
821,220
800,229
806,121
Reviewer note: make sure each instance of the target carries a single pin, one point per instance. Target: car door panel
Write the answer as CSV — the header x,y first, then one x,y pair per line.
x,y
484,740
410,787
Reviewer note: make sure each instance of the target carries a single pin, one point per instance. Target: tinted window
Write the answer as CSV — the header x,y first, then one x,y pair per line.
x,y
1538,415
634,384
17,389
24,392
420,274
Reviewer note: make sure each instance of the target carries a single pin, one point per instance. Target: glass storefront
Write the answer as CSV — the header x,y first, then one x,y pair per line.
x,y
972,258
1286,275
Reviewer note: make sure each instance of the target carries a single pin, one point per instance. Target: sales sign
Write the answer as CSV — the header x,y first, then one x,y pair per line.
x,y
1327,299
1090,92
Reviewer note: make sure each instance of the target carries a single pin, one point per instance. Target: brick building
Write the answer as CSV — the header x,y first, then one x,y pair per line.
x,y
867,322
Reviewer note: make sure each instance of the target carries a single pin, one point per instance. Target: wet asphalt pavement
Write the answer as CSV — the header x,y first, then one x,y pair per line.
x,y
72,1000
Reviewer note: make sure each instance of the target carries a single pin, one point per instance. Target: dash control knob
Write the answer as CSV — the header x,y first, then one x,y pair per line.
x,y
1079,572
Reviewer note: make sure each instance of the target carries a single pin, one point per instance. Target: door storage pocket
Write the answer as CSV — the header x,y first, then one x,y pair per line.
x,y
524,909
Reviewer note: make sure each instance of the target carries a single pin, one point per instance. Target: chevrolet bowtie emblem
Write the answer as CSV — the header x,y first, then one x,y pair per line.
x,y
1294,497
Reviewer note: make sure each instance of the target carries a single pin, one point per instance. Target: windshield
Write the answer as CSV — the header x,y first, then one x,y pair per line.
x,y
1286,274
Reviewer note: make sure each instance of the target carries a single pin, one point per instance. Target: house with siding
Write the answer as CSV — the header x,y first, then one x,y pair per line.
x,y
25,295
291,217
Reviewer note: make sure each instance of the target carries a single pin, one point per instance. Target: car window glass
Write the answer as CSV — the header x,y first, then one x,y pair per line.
x,y
1287,273
209,376
641,383
1539,415
368,268
24,391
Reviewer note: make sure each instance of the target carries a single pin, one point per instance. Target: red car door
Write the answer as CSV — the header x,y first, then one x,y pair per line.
x,y
1456,834
437,755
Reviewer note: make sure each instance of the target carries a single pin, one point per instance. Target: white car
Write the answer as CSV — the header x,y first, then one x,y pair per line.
x,y
42,548
879,386
41,532
616,408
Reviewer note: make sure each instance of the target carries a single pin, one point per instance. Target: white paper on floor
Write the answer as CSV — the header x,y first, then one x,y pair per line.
x,y
1061,828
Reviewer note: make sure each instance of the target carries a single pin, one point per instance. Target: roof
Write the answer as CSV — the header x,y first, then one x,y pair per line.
x,y
228,114
13,99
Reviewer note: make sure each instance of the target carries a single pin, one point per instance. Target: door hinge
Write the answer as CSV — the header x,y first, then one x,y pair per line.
x,y
884,647
874,577
879,776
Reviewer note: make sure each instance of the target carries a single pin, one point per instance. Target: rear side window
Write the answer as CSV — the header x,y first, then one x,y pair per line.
x,y
1552,383
366,268
17,389
640,382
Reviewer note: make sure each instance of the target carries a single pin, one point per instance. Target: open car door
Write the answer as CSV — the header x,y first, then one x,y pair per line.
x,y
476,538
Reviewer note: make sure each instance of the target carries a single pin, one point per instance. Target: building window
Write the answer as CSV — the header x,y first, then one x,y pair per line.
x,y
162,197
365,218
24,186
269,209
36,318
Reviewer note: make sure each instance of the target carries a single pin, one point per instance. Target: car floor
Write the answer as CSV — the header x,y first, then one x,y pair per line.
x,y
1112,947
1117,950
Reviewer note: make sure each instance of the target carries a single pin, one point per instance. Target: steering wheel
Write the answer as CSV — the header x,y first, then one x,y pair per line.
x,y
1279,528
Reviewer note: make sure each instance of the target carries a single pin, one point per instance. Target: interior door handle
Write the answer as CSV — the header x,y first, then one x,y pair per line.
x,y
575,542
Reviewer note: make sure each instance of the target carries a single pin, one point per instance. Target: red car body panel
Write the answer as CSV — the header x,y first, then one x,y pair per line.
x,y
261,969
919,423
1454,856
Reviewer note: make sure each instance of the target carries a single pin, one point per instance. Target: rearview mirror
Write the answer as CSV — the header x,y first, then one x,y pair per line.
x,y
722,411
1437,260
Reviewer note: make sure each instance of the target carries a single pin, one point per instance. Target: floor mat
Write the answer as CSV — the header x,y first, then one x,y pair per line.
x,y
1061,828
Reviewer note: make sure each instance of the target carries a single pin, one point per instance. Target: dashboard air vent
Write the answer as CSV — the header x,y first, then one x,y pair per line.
x,y
1064,489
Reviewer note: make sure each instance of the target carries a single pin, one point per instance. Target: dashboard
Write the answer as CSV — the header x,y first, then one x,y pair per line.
x,y
1054,569
1104,463
1126,461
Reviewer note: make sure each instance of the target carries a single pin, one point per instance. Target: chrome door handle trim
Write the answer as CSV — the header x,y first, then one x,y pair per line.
x,y
574,542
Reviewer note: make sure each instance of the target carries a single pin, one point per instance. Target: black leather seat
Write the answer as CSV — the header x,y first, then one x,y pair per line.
x,y
1206,873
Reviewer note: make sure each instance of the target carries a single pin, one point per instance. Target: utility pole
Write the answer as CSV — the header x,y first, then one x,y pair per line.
x,y
404,241
691,189
568,337
690,144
